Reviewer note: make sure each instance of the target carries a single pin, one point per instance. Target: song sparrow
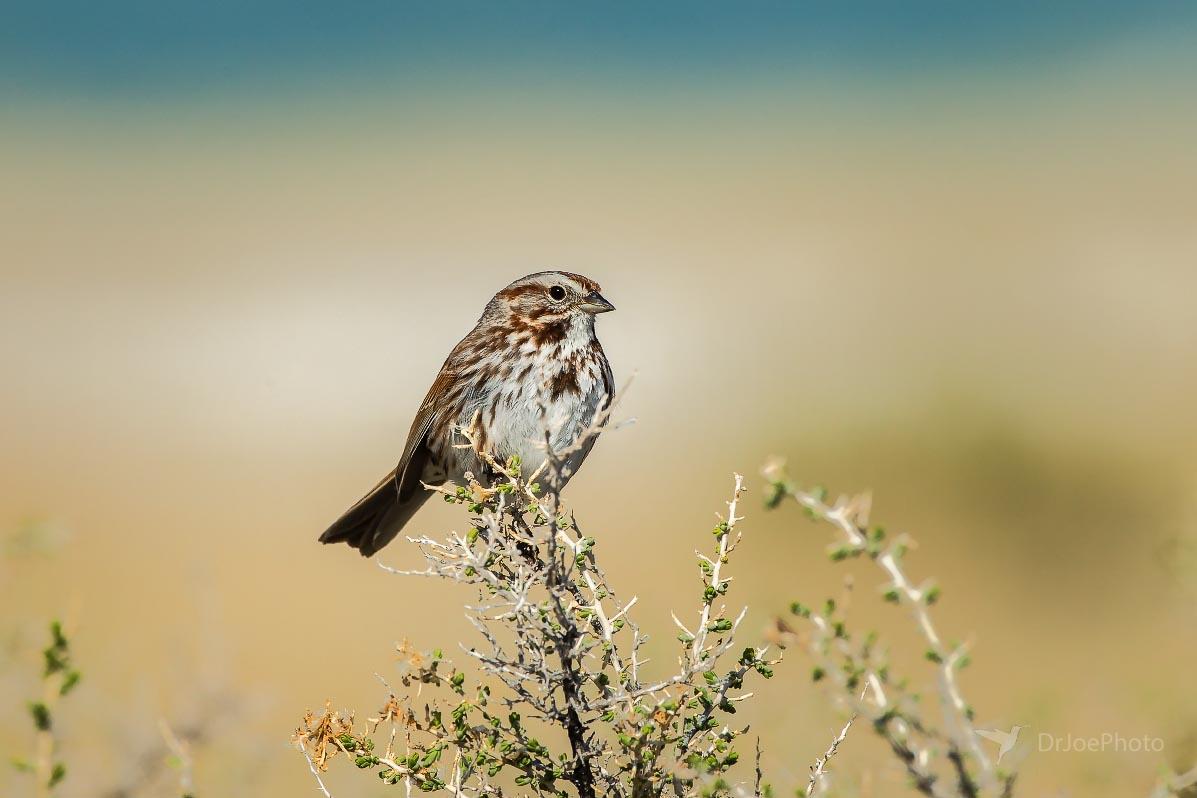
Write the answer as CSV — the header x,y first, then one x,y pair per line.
x,y
531,364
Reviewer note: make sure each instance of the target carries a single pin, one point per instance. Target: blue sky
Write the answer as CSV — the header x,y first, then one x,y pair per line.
x,y
152,46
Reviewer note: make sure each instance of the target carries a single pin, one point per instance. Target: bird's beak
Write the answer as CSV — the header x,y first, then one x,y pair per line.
x,y
594,303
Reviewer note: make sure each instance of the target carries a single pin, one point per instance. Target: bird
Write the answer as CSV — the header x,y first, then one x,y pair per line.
x,y
532,364
1005,740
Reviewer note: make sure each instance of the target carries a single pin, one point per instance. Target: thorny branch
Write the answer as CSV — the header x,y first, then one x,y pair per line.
x,y
819,768
847,664
564,659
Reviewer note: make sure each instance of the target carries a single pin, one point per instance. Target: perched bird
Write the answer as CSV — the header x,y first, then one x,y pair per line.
x,y
531,364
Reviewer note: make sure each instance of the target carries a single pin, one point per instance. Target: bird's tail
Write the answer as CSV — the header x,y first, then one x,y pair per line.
x,y
376,518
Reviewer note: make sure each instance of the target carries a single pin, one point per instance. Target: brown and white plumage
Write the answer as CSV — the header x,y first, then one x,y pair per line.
x,y
532,363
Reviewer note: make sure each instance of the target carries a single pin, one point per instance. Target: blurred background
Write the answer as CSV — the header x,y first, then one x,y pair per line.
x,y
943,252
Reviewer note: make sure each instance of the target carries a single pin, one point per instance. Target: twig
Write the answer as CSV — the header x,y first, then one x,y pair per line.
x,y
820,766
316,774
181,752
1174,784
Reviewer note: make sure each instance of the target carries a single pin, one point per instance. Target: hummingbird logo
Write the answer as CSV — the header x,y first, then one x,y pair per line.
x,y
1005,740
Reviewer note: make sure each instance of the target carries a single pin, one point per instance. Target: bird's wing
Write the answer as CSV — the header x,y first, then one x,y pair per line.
x,y
415,453
993,736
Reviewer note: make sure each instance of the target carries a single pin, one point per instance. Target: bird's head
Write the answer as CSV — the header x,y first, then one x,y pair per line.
x,y
553,297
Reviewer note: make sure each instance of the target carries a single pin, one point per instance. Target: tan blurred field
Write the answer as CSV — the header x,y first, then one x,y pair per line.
x,y
973,298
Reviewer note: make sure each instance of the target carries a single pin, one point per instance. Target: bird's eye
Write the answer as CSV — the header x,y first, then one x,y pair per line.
x,y
557,293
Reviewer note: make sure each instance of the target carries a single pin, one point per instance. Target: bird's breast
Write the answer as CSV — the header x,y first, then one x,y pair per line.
x,y
540,394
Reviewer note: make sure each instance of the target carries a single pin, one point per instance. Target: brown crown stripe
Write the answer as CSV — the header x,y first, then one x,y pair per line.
x,y
525,289
585,282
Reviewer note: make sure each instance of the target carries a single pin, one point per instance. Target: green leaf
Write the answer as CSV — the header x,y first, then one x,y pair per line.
x,y
777,492
69,681
41,715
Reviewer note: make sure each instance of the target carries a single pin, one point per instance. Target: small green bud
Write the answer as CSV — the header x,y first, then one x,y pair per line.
x,y
69,682
41,715
777,492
